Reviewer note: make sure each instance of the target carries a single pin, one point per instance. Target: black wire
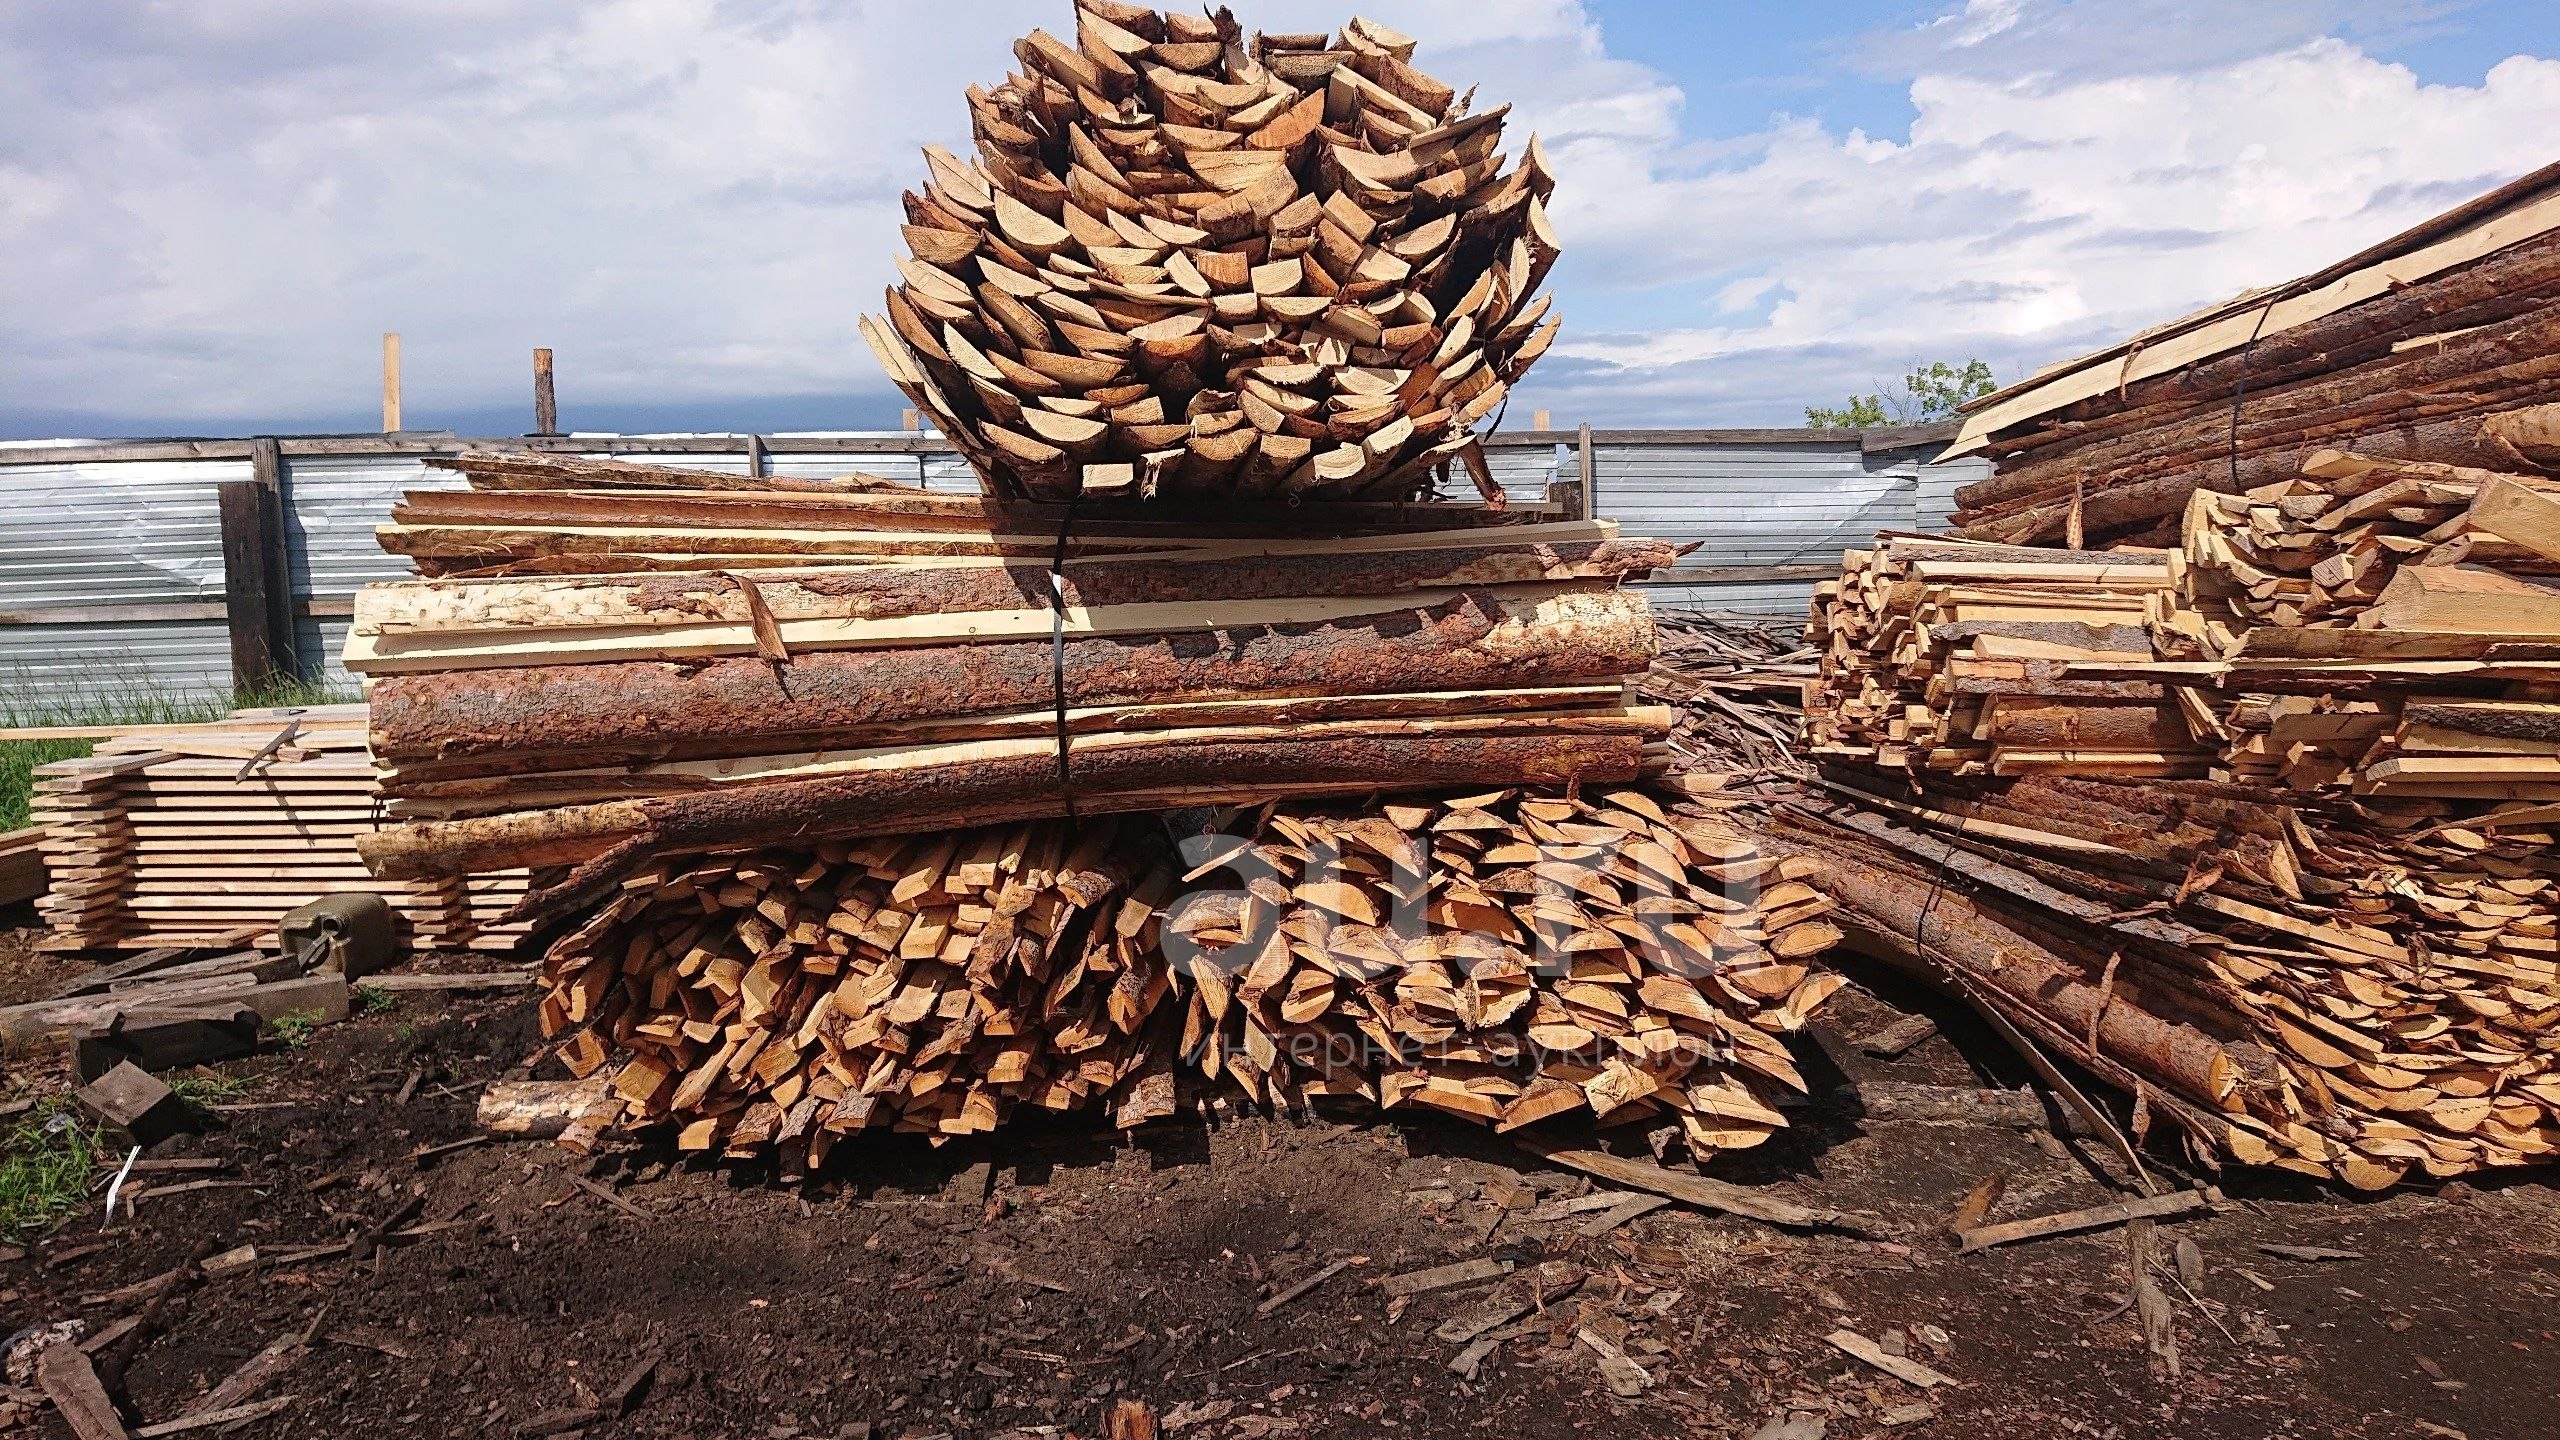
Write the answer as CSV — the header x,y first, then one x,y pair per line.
x,y
2240,387
1058,657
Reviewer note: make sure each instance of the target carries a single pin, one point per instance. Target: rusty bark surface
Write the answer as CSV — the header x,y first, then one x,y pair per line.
x,y
2105,725
982,791
1464,643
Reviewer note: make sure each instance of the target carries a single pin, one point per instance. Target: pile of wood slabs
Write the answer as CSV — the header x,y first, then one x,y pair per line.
x,y
2251,812
2420,348
187,835
916,669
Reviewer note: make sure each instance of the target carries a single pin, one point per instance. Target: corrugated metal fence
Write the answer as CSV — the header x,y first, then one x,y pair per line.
x,y
111,566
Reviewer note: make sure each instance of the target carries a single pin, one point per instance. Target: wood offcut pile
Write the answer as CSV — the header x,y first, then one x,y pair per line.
x,y
869,793
2256,822
1507,956
1190,261
205,834
1739,680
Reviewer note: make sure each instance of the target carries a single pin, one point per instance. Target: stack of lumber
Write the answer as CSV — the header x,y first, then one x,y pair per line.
x,y
21,864
2418,349
2313,994
1189,261
2370,625
206,834
784,999
915,670
1953,657
1506,956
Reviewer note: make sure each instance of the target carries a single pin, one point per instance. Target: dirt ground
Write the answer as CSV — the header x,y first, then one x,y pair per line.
x,y
1022,1283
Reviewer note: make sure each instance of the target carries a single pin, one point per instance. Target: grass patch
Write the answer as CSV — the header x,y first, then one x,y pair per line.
x,y
205,1087
294,1028
46,1161
112,700
374,1000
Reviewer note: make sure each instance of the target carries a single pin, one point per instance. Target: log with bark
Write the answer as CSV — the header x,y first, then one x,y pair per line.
x,y
1189,261
527,717
2441,346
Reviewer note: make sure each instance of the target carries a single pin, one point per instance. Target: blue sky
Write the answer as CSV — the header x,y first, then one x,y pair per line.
x,y
209,214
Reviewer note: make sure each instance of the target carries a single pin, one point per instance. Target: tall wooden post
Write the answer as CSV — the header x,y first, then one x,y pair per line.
x,y
390,381
756,455
257,576
1590,475
546,406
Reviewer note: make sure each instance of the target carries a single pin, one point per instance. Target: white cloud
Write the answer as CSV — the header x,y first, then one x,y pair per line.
x,y
213,209
2022,220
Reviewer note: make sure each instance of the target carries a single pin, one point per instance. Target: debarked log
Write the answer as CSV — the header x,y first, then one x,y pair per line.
x,y
1014,787
1476,640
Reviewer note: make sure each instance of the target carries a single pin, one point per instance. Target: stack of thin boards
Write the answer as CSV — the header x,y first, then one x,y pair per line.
x,y
1191,262
610,667
2419,349
1508,956
192,835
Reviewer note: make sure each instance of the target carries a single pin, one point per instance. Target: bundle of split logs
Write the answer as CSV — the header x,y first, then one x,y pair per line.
x,y
205,834
1189,261
2253,817
900,662
1506,956
2407,351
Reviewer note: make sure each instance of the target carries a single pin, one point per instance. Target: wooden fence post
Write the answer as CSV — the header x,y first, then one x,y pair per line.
x,y
546,407
390,381
1590,476
756,455
257,576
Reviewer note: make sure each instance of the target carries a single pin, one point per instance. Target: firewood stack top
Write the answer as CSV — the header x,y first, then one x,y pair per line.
x,y
1188,261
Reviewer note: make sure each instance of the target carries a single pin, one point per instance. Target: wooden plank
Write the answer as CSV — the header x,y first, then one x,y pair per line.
x,y
251,534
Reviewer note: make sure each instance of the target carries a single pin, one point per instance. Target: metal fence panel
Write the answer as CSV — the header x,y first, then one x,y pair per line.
x,y
112,532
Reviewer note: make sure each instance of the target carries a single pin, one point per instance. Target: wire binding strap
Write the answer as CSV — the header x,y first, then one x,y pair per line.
x,y
1058,657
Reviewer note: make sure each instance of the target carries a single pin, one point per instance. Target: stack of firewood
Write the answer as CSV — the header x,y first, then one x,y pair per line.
x,y
1191,261
787,998
1950,657
1506,956
1739,681
2407,351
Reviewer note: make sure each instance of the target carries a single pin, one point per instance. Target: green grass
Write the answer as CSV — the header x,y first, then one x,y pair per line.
x,y
204,1087
111,700
294,1028
46,1161
374,1000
